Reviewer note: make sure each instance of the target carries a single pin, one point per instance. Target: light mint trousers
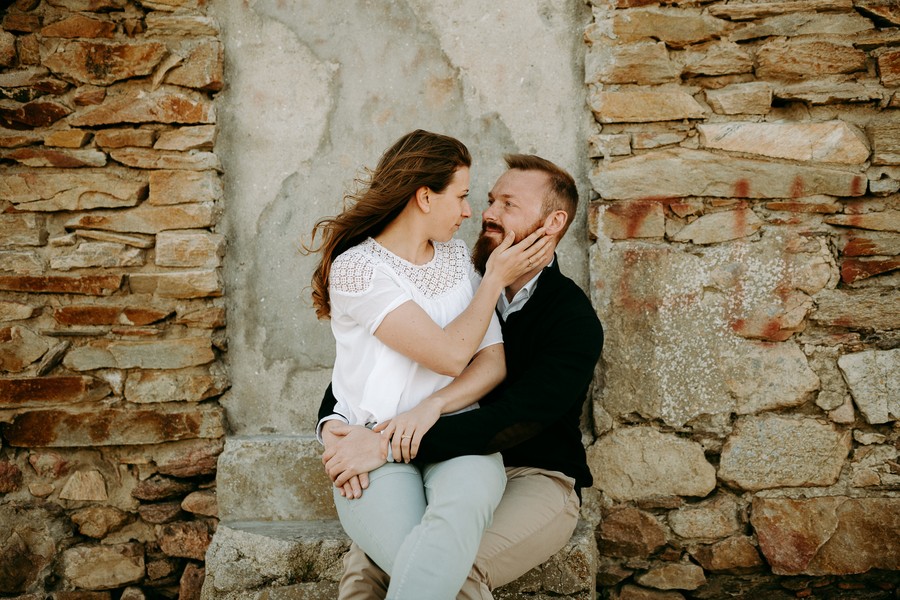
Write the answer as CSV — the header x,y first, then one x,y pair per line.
x,y
424,526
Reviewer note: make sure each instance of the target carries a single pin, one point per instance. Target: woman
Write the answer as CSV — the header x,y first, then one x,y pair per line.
x,y
409,315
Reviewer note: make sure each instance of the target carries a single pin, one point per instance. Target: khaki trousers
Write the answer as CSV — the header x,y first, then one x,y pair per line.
x,y
534,520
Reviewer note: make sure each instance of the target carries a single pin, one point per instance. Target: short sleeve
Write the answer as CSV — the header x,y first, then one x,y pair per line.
x,y
363,291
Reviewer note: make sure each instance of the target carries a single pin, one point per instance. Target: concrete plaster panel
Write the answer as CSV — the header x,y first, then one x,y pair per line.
x,y
316,90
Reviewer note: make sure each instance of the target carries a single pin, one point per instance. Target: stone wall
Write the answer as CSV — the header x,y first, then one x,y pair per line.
x,y
746,245
111,309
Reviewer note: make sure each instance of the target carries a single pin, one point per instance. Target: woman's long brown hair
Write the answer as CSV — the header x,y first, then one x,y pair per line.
x,y
418,159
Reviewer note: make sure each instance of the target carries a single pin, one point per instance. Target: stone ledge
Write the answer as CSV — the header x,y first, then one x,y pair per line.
x,y
301,560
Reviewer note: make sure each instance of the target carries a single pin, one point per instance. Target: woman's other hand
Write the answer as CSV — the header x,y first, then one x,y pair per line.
x,y
405,431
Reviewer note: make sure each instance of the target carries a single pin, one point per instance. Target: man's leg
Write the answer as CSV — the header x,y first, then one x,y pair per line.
x,y
535,519
437,555
362,579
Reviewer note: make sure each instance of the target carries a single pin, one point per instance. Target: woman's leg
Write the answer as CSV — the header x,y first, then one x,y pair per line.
x,y
437,555
388,510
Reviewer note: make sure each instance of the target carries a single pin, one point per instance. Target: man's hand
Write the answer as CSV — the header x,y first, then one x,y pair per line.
x,y
351,452
406,429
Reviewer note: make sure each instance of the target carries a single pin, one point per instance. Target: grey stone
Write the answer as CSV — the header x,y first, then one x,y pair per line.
x,y
673,576
681,315
684,172
825,142
623,469
103,567
644,106
771,451
874,378
273,478
711,519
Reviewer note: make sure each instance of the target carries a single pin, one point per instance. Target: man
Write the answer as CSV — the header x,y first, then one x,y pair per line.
x,y
552,340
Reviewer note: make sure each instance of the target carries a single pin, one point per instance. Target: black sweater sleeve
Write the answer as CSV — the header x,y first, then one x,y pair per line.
x,y
328,404
551,355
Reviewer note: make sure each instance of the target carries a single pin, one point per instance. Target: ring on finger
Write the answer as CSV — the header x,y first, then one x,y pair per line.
x,y
405,437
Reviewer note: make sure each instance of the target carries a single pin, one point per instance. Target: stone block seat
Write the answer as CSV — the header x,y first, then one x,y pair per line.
x,y
279,538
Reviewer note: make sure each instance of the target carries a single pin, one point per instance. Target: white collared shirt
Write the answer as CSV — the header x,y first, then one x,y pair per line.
x,y
508,307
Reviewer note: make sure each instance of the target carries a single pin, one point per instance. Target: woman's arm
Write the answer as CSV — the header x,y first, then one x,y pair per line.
x,y
484,373
410,331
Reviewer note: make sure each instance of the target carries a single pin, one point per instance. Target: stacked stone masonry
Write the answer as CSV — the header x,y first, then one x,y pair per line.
x,y
745,263
744,258
111,309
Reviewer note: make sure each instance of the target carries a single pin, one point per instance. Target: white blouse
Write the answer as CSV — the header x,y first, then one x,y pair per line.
x,y
371,381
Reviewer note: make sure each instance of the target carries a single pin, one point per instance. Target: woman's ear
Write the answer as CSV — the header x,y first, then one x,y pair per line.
x,y
423,199
555,222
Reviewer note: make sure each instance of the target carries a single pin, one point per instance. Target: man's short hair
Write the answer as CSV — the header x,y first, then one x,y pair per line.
x,y
562,194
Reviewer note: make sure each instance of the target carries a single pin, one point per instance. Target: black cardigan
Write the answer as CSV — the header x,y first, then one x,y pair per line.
x,y
552,346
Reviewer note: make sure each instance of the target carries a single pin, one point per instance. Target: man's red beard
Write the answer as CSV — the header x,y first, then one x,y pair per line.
x,y
485,245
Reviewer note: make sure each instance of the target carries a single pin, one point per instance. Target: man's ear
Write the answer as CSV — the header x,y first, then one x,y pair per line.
x,y
423,199
555,222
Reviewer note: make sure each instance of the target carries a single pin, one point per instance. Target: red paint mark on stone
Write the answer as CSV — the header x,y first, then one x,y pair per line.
x,y
797,187
860,247
858,186
853,269
742,188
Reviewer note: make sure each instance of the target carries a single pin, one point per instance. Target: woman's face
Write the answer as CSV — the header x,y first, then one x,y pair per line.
x,y
450,207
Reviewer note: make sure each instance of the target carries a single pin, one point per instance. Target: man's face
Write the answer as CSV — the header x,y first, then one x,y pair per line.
x,y
514,204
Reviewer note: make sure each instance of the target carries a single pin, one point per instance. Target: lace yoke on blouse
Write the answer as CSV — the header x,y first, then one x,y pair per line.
x,y
352,272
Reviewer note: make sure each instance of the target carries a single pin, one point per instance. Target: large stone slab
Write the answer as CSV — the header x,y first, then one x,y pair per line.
x,y
56,190
90,285
720,227
644,106
644,63
148,219
203,283
135,105
717,58
677,27
161,354
807,58
804,23
178,187
301,560
245,558
183,385
685,318
684,172
832,535
858,309
101,63
744,11
96,255
621,469
114,426
103,567
828,141
874,380
189,249
29,392
772,451
885,138
273,478
888,220
712,519
754,98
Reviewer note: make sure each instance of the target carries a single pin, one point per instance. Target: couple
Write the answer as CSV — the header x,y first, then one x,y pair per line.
x,y
428,498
